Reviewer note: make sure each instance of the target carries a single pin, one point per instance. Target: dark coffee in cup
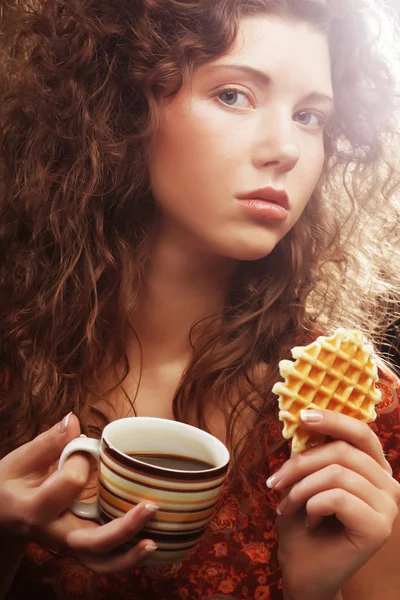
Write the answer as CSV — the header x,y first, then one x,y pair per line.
x,y
178,467
172,461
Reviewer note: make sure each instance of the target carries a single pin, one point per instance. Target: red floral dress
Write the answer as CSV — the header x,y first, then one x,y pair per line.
x,y
236,559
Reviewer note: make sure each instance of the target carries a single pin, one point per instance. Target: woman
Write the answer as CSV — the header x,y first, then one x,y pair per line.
x,y
137,279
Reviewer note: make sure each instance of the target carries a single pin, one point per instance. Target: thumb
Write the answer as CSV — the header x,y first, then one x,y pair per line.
x,y
44,450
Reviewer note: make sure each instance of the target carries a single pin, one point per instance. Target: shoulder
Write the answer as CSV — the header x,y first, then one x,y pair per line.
x,y
387,424
389,385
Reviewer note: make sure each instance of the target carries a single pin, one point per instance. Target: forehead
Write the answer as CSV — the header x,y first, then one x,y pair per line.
x,y
292,50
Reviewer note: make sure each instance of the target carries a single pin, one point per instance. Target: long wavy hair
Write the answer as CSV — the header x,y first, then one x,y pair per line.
x,y
80,83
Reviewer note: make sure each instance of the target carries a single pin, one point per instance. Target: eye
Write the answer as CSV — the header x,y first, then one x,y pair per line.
x,y
230,97
310,119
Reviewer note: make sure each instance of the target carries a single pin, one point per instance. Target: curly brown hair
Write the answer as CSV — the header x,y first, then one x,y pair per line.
x,y
79,88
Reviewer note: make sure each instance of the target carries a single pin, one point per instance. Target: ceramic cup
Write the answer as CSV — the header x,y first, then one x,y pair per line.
x,y
187,498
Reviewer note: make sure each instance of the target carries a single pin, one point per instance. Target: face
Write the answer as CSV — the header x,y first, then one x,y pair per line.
x,y
248,123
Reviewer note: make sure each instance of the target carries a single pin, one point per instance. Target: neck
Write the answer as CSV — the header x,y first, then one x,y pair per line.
x,y
183,284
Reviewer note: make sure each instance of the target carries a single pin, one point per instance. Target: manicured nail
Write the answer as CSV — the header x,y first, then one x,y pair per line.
x,y
64,423
152,507
310,416
281,507
272,481
146,551
390,467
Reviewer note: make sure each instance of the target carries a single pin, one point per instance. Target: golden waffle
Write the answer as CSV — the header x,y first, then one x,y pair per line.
x,y
335,373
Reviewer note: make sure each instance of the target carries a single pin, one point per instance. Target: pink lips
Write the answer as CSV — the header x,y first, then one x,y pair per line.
x,y
269,194
266,203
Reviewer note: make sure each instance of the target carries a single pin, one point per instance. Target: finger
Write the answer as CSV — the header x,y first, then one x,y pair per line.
x,y
58,491
342,427
123,562
340,453
332,477
55,533
115,533
43,451
364,526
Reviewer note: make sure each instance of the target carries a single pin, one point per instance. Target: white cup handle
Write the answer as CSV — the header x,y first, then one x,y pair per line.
x,y
87,510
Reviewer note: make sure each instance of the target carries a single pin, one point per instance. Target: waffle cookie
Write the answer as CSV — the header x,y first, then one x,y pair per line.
x,y
335,373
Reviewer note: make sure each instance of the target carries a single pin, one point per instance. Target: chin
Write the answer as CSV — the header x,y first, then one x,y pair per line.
x,y
248,252
246,244
251,255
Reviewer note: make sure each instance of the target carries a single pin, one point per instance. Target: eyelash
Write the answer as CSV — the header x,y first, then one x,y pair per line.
x,y
322,118
231,89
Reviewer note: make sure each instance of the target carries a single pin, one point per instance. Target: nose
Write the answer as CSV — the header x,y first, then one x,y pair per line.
x,y
277,142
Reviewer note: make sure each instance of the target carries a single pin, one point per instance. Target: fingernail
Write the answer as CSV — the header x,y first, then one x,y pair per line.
x,y
389,468
310,416
281,507
146,551
272,481
152,507
83,435
64,423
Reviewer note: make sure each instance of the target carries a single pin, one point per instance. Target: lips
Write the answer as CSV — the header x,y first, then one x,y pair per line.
x,y
267,194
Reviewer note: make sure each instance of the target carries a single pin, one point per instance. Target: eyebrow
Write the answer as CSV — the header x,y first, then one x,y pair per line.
x,y
265,80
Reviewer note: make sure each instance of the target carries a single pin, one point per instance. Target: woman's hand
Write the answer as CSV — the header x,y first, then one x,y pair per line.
x,y
348,481
34,501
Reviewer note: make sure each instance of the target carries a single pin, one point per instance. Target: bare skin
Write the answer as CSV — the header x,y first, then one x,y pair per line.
x,y
181,288
350,479
35,499
207,151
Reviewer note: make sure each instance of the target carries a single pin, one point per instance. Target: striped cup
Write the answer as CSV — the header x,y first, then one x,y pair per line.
x,y
187,499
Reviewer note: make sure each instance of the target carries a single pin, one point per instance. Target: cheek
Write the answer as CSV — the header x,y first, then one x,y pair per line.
x,y
312,171
177,171
190,158
195,141
308,176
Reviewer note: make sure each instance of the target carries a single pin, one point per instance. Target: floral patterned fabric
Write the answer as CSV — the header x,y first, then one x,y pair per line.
x,y
237,556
